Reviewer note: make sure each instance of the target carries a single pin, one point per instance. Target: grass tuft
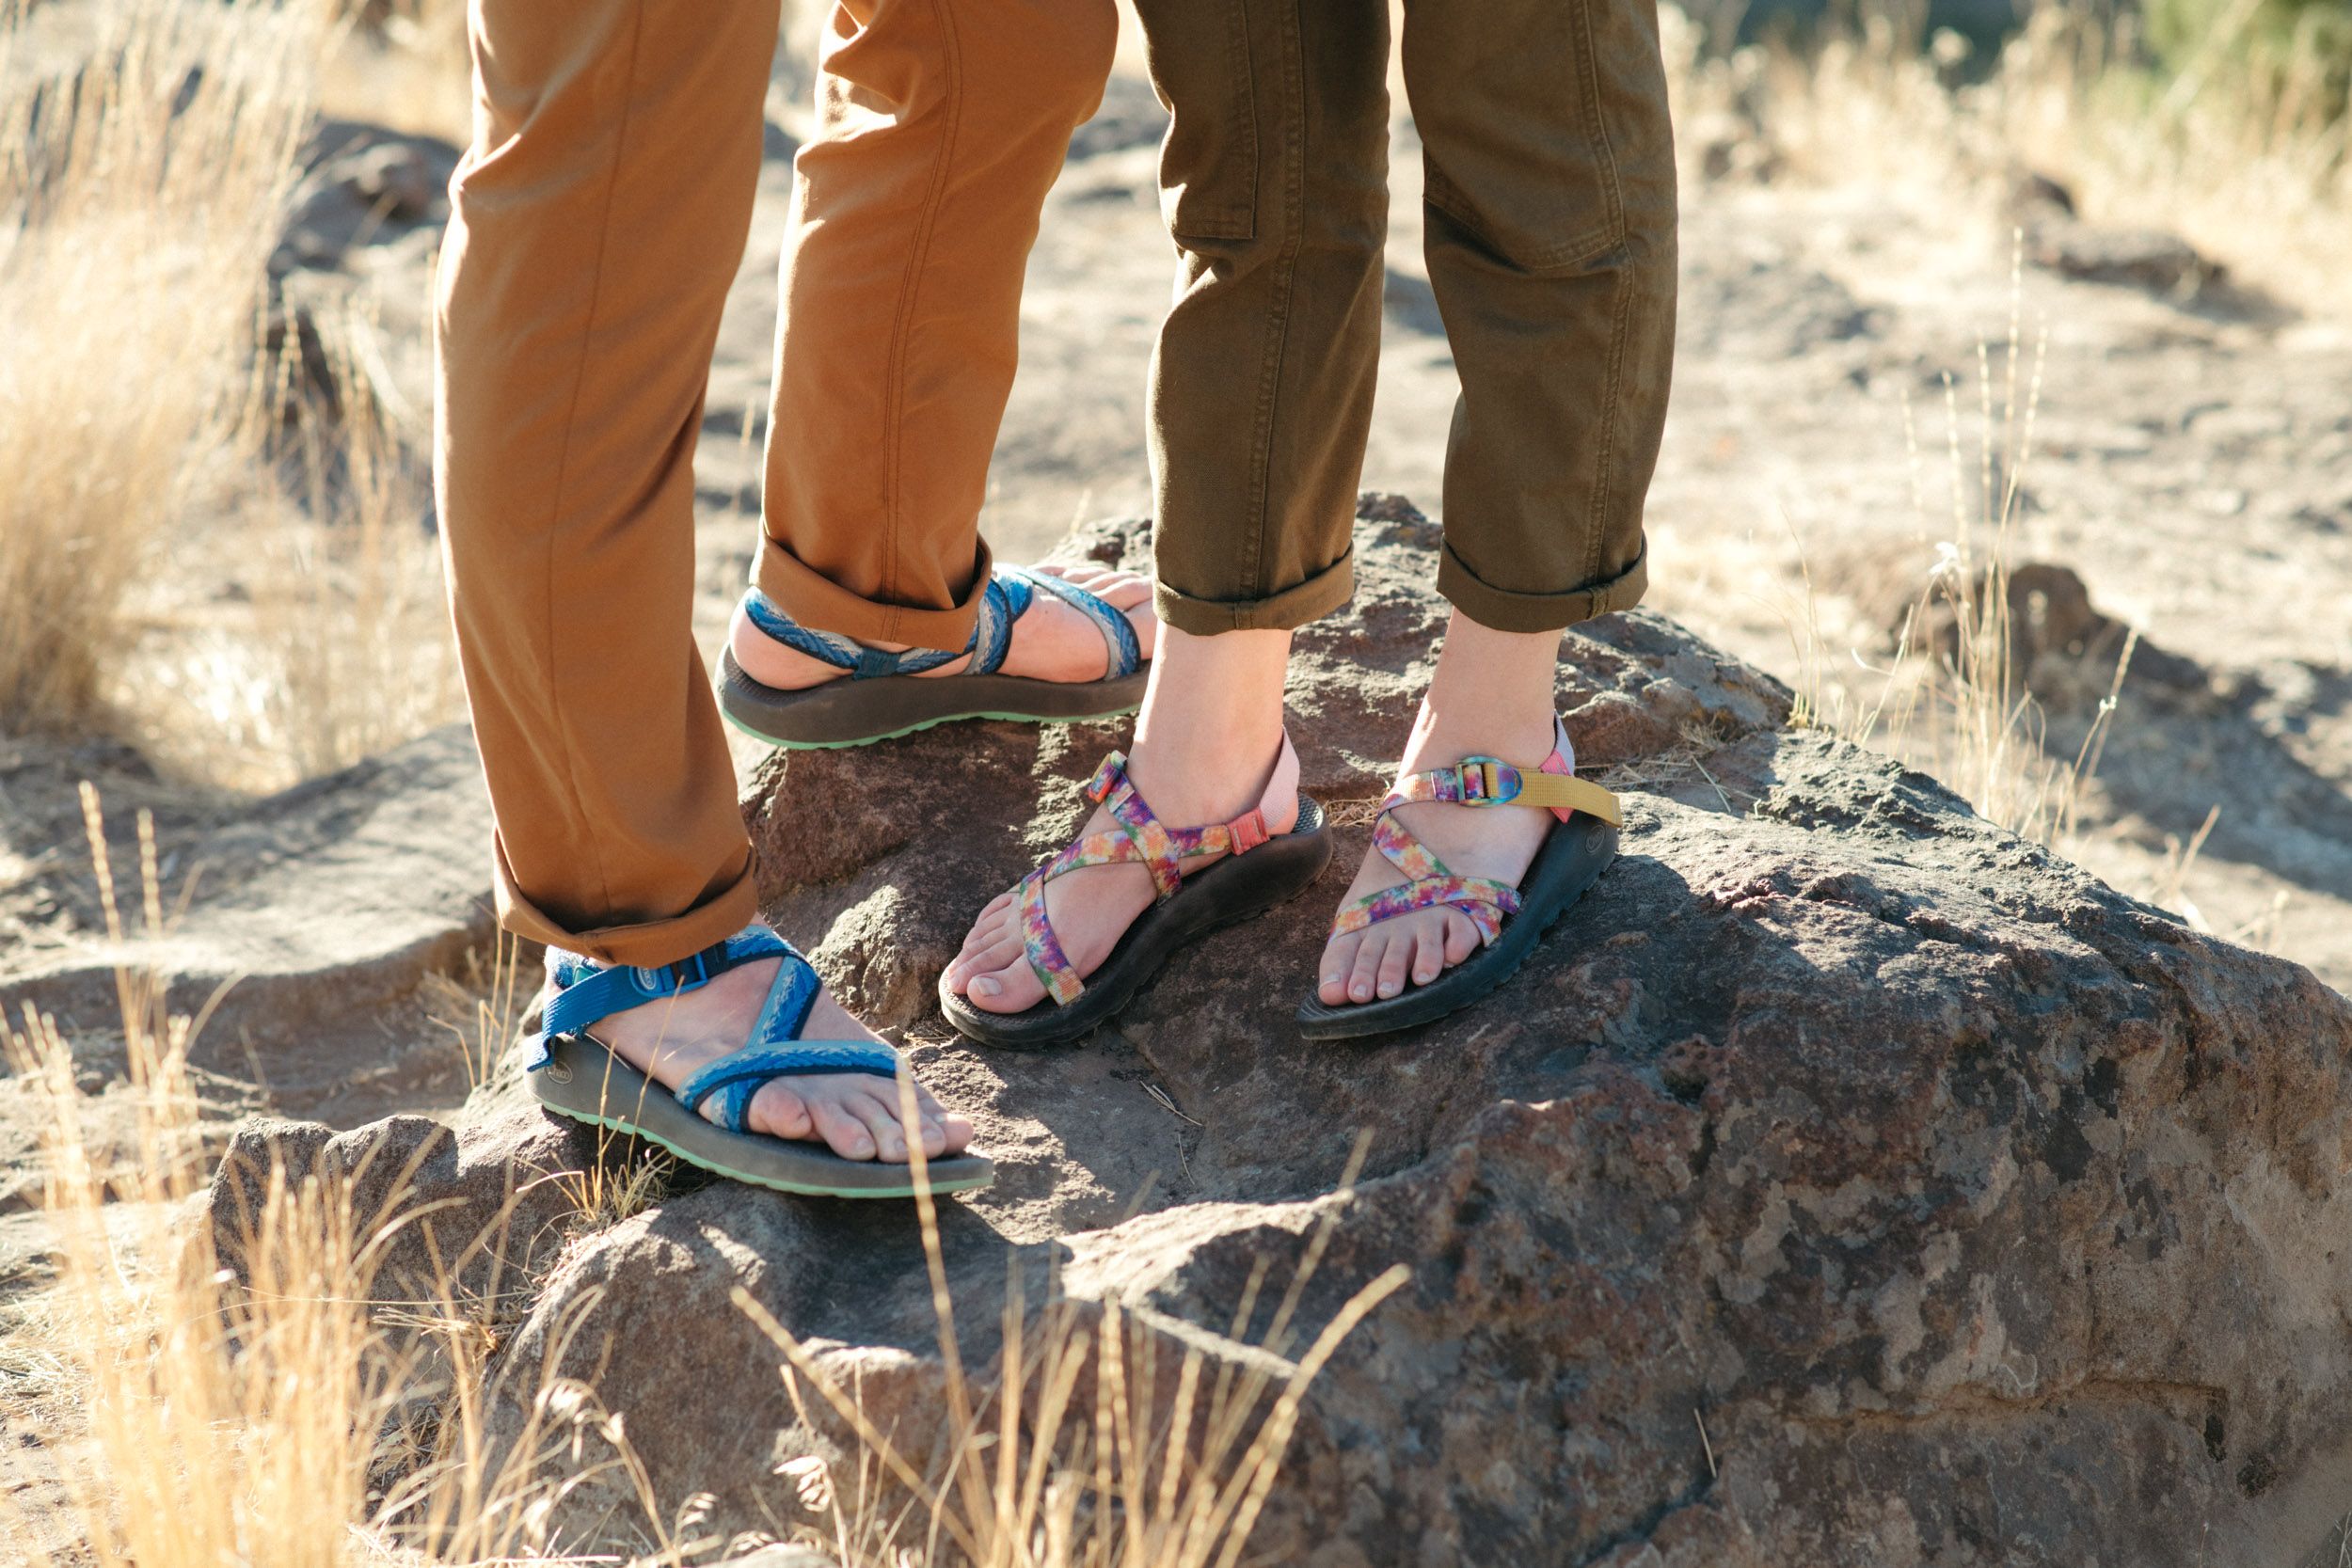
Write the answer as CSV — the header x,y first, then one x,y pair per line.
x,y
142,179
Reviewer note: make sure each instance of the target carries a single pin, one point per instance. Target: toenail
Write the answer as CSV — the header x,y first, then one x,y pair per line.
x,y
986,987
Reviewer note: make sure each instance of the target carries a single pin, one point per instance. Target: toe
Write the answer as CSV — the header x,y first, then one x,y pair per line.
x,y
1338,959
1364,974
997,954
1395,959
955,1134
989,935
990,924
843,1131
931,1122
1012,987
1428,956
1004,953
881,1123
1461,937
780,1113
1124,592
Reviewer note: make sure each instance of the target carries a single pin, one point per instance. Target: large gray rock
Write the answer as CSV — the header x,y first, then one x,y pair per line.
x,y
301,914
1845,1182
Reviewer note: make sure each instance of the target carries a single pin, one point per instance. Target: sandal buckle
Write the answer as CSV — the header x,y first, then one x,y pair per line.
x,y
1477,782
1247,831
688,974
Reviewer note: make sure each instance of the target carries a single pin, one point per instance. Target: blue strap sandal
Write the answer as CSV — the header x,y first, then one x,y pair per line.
x,y
883,695
575,1076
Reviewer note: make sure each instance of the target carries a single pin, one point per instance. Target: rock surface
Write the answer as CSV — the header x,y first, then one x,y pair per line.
x,y
305,929
1846,1181
301,909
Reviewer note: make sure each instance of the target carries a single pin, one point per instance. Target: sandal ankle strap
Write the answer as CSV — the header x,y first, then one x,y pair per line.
x,y
1484,781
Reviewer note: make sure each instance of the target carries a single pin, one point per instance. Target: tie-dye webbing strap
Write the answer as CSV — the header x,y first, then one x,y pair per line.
x,y
1139,836
1429,883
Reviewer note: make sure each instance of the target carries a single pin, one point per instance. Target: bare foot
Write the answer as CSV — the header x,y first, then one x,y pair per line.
x,y
1053,642
1491,696
856,1114
1210,731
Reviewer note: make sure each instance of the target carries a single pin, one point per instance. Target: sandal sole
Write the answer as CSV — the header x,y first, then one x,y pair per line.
x,y
1233,890
584,1083
1563,871
839,714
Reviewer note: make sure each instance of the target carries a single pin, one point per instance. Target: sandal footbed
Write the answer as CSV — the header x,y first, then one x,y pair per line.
x,y
1574,854
584,1081
857,713
1233,890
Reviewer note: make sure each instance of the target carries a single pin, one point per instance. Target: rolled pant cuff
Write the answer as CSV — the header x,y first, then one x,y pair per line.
x,y
1501,610
816,601
1287,611
648,943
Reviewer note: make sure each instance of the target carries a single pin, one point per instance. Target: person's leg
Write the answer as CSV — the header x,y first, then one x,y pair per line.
x,y
1276,167
941,129
595,224
1550,186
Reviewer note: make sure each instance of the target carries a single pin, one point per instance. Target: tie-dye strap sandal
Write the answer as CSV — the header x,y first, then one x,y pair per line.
x,y
575,1076
885,694
1256,870
1510,920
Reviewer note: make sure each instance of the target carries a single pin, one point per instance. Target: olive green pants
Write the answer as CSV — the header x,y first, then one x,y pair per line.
x,y
1550,190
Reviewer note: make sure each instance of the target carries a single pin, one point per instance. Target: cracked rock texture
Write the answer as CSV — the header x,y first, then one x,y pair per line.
x,y
1845,1182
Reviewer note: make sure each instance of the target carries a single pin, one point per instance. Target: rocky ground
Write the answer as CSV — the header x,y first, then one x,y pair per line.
x,y
1976,1211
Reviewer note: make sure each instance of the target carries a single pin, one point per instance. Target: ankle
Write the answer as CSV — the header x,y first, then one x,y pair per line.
x,y
1491,696
1211,731
1444,734
1196,786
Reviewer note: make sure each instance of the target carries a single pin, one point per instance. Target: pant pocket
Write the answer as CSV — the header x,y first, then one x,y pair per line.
x,y
1199,57
1542,121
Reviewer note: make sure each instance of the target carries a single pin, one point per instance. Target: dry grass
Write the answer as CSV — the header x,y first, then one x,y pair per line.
x,y
1036,1474
1951,700
335,645
193,1421
200,1416
140,187
253,603
2252,166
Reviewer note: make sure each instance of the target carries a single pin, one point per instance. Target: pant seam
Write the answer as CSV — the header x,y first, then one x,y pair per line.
x,y
894,423
1596,121
1604,455
549,618
1284,282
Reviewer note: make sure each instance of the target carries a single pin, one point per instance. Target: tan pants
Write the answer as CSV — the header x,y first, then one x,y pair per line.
x,y
597,221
